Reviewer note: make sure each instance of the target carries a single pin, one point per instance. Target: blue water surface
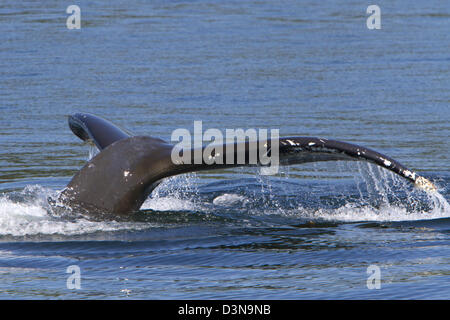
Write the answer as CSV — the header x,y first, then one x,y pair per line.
x,y
308,68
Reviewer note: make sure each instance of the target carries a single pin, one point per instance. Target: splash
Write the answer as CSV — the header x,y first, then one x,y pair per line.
x,y
177,193
376,195
28,213
380,196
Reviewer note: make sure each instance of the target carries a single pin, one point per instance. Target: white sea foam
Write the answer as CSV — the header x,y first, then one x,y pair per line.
x,y
169,203
228,199
351,212
176,193
31,216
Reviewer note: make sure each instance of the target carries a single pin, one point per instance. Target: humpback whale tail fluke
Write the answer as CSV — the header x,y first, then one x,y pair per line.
x,y
128,168
101,132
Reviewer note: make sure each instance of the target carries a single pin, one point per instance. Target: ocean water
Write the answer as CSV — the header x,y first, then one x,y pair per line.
x,y
308,68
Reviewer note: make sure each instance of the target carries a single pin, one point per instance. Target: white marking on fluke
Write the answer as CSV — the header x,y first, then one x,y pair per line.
x,y
387,163
292,143
410,174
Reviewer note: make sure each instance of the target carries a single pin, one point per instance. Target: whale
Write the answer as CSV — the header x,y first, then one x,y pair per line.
x,y
128,167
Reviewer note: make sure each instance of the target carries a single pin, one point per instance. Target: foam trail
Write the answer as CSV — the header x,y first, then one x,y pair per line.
x,y
439,202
